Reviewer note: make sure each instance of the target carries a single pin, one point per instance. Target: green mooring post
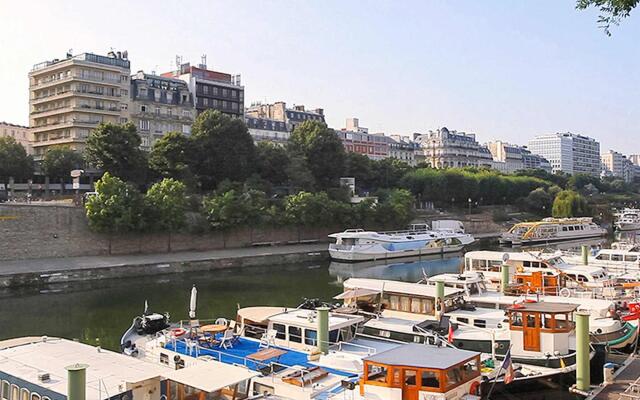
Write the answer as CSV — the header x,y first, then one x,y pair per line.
x,y
583,377
439,297
504,279
76,381
585,254
323,329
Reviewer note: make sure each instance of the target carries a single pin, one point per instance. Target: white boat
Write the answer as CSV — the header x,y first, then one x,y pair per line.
x,y
628,219
552,230
619,261
361,245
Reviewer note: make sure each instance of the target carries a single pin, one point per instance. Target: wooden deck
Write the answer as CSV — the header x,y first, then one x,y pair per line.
x,y
627,374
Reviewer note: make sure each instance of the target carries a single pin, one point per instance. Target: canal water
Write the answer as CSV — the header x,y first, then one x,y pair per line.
x,y
98,312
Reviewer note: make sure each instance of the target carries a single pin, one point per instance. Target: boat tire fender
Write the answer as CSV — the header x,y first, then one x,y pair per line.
x,y
565,292
474,389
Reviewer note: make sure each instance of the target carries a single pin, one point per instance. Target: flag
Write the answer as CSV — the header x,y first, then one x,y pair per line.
x,y
507,365
450,335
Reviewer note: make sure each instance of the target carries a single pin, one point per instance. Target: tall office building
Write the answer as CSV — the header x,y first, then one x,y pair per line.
x,y
568,152
617,165
69,97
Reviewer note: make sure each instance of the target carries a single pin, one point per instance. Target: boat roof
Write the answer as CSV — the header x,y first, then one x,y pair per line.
x,y
545,307
466,277
308,319
26,359
517,256
562,221
423,356
384,285
211,376
500,298
260,314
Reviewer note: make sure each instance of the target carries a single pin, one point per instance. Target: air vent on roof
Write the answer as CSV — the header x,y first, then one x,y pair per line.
x,y
44,377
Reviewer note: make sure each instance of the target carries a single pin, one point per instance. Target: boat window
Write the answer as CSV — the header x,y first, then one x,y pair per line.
x,y
531,321
473,289
5,390
548,322
516,319
280,329
471,369
454,376
480,323
602,257
15,392
463,320
333,336
35,396
397,377
616,257
631,258
564,229
430,379
310,337
24,394
410,377
405,303
376,373
295,334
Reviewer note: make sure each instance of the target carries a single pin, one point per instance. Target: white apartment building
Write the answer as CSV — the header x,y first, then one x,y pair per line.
x,y
70,97
617,165
446,149
509,158
568,152
20,133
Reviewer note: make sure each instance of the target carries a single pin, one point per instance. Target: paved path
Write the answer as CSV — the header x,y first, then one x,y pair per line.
x,y
95,262
627,375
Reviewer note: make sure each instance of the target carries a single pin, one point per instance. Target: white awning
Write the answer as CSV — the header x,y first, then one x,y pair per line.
x,y
355,293
210,376
259,314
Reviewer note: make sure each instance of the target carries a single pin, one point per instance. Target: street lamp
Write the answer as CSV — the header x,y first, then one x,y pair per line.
x,y
469,205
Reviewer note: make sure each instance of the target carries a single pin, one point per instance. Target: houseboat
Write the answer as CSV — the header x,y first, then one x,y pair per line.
x,y
551,230
628,219
616,261
360,245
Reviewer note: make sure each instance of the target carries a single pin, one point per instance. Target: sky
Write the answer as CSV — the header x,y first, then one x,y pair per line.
x,y
502,69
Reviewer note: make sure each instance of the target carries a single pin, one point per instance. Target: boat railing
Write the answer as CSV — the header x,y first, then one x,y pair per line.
x,y
339,347
491,333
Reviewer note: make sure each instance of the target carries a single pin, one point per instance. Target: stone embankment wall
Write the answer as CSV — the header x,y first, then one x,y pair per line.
x,y
42,231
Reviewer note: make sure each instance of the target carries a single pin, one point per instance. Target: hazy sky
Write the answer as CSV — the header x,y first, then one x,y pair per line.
x,y
502,69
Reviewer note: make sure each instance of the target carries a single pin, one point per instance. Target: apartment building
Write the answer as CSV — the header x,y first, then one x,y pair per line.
x,y
212,90
20,133
617,165
374,146
160,105
444,149
69,97
267,130
568,152
403,148
509,158
279,111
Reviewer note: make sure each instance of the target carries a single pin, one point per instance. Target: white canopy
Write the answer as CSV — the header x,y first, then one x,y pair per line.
x,y
211,376
355,293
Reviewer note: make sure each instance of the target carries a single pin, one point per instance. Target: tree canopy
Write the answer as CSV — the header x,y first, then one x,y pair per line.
x,y
272,163
117,206
569,203
58,162
611,11
165,205
14,161
170,156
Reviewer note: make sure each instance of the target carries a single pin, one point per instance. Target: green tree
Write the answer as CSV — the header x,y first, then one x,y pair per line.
x,y
570,204
539,201
396,209
115,149
298,172
223,149
309,209
170,157
360,167
165,205
611,11
14,161
323,151
117,207
389,172
272,163
58,163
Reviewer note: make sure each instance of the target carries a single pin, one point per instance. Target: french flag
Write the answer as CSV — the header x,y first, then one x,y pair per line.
x,y
507,365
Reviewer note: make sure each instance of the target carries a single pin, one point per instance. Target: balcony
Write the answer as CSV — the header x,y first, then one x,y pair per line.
x,y
51,82
98,110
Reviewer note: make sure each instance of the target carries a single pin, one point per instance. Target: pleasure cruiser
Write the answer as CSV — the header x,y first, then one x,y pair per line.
x,y
360,245
551,230
628,219
617,262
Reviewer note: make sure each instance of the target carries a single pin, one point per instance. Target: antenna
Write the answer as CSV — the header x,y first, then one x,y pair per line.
x,y
203,61
178,61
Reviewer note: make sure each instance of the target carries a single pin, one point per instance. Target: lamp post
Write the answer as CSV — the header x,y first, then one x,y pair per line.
x,y
469,201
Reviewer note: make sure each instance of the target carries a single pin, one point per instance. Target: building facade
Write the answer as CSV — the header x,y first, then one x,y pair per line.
x,y
617,165
403,148
212,90
70,97
160,105
446,149
267,130
376,146
568,152
279,111
20,133
509,158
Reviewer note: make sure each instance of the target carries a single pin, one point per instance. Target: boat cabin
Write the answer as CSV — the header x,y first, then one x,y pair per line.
x,y
298,329
541,327
209,380
418,371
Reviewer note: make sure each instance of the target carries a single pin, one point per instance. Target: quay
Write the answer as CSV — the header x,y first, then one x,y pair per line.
x,y
626,383
67,269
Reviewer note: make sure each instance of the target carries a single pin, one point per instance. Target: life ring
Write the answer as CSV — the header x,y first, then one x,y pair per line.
x,y
565,292
474,389
177,332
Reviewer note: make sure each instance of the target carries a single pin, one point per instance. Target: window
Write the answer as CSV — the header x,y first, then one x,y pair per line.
x,y
631,258
410,377
295,334
602,257
157,110
376,373
5,389
616,257
143,108
144,125
516,319
35,396
454,376
280,329
470,369
24,394
430,379
480,323
310,337
15,392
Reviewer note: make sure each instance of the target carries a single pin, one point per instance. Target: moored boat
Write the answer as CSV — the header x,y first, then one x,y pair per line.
x,y
627,219
551,230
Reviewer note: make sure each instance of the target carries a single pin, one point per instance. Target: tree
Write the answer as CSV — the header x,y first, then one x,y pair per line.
x,y
611,11
539,201
298,172
388,172
323,151
170,157
115,149
116,207
309,209
223,149
569,204
272,162
14,161
165,204
58,163
360,167
396,209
